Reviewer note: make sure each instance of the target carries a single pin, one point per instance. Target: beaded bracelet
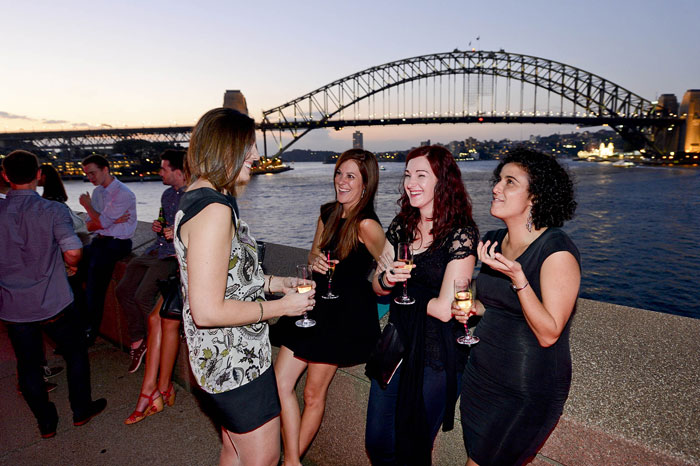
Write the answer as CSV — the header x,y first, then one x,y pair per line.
x,y
384,286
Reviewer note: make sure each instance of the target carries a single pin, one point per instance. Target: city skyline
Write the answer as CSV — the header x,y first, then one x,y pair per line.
x,y
166,63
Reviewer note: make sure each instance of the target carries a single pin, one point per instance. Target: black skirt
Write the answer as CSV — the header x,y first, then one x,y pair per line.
x,y
248,407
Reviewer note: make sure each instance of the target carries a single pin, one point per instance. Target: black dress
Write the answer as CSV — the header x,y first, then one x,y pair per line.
x,y
428,341
347,328
513,389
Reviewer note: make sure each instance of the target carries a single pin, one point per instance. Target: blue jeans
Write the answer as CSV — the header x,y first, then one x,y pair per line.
x,y
27,341
380,433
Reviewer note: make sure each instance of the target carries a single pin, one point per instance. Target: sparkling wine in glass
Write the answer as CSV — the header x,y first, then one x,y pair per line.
x,y
331,270
465,292
304,285
405,255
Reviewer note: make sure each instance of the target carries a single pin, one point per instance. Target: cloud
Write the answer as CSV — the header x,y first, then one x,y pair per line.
x,y
45,121
11,116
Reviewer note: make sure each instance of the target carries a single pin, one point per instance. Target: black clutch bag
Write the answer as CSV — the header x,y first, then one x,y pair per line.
x,y
172,297
386,356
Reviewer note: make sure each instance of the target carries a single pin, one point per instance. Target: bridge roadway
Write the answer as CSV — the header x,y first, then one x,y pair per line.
x,y
635,399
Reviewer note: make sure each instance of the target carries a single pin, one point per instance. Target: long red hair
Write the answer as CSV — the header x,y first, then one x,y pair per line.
x,y
452,207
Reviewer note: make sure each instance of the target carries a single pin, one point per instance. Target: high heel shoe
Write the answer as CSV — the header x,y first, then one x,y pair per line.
x,y
155,405
169,395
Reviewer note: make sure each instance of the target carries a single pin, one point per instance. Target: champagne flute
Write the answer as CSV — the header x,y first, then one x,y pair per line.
x,y
304,279
331,269
405,255
465,294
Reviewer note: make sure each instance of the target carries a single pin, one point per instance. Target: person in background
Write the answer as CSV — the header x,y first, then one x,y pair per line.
x,y
349,235
54,190
163,333
35,298
51,181
225,311
137,290
435,218
112,213
4,185
518,376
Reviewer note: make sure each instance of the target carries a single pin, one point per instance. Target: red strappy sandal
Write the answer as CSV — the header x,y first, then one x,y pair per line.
x,y
169,395
155,405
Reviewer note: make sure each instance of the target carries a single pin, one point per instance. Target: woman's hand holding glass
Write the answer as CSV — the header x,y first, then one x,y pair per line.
x,y
297,303
323,263
397,272
463,307
320,263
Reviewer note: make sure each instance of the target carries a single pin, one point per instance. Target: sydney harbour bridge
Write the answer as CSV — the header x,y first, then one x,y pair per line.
x,y
474,87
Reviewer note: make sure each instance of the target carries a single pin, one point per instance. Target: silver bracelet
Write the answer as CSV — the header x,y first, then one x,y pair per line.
x,y
516,288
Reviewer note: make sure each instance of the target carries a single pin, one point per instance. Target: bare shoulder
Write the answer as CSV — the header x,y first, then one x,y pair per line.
x,y
210,222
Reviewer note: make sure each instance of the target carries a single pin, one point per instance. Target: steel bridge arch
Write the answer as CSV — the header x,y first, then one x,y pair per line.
x,y
598,98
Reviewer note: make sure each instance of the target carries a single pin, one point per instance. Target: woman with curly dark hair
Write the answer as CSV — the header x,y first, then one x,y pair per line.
x,y
517,378
435,218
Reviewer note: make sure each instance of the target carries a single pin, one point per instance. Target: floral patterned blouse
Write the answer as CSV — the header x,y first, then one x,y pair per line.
x,y
225,358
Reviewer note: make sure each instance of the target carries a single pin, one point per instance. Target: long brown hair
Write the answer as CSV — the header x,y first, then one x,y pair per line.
x,y
451,205
348,234
53,186
219,144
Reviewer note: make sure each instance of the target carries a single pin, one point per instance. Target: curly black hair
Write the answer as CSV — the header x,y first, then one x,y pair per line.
x,y
550,186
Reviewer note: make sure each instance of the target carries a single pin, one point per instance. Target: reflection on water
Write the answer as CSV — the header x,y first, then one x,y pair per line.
x,y
637,228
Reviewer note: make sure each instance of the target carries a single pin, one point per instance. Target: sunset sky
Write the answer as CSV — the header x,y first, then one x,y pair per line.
x,y
135,63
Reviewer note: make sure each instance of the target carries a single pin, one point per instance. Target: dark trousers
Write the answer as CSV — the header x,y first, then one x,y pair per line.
x,y
380,433
96,268
27,341
137,290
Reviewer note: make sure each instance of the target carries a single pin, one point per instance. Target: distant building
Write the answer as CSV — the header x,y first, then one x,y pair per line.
x,y
357,142
690,112
425,143
236,100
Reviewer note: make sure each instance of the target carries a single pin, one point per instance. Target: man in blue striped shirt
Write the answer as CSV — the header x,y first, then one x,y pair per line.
x,y
38,244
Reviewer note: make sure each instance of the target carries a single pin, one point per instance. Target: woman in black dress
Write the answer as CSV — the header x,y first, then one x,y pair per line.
x,y
347,328
403,419
518,376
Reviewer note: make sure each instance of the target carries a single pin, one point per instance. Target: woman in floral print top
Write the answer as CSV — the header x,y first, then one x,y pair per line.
x,y
225,311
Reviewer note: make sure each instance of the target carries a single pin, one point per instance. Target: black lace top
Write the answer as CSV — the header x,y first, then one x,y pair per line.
x,y
430,268
428,340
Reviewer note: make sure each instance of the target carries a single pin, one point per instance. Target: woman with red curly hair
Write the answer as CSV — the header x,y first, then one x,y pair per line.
x,y
435,218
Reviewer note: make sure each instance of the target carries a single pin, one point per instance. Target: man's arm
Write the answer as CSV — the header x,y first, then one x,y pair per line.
x,y
94,222
65,236
116,206
72,258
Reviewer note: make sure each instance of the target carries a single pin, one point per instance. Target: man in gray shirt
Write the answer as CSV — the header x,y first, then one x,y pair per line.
x,y
38,244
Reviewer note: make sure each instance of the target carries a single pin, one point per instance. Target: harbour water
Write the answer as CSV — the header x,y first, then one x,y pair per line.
x,y
638,228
